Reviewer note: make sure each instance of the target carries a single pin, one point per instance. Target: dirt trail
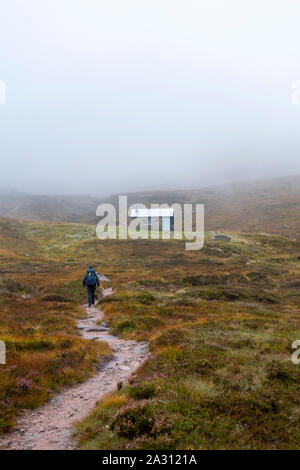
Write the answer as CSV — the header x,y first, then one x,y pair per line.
x,y
50,427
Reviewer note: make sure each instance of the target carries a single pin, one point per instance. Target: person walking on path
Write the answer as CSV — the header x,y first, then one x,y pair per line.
x,y
91,281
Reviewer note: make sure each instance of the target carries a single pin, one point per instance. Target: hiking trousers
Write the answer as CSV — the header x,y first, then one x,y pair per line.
x,y
91,294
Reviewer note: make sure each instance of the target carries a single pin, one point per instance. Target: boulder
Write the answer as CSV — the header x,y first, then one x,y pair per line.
x,y
222,238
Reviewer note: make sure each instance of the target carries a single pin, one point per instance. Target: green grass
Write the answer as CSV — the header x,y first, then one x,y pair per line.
x,y
39,306
220,374
220,323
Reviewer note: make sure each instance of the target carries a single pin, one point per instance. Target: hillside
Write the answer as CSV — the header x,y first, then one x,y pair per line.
x,y
220,323
270,206
24,206
39,302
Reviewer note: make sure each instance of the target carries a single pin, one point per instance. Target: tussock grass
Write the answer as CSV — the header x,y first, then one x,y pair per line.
x,y
220,323
40,298
220,374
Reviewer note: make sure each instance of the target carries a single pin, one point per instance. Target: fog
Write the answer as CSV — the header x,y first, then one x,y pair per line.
x,y
125,95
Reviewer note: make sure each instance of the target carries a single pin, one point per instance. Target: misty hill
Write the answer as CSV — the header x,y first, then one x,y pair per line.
x,y
24,206
271,205
263,206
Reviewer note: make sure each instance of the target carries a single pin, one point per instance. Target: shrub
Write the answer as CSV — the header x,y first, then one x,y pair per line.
x,y
145,298
171,338
55,298
284,373
123,326
24,384
139,419
142,391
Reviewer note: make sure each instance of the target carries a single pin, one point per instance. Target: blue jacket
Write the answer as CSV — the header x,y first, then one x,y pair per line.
x,y
86,277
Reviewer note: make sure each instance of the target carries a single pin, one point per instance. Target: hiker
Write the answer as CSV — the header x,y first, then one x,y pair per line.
x,y
90,281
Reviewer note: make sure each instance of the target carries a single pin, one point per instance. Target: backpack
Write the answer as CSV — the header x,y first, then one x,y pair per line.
x,y
91,279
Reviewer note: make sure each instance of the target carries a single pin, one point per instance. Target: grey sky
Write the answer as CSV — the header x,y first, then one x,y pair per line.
x,y
124,95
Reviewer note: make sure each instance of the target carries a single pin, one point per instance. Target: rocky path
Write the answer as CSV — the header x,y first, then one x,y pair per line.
x,y
50,427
